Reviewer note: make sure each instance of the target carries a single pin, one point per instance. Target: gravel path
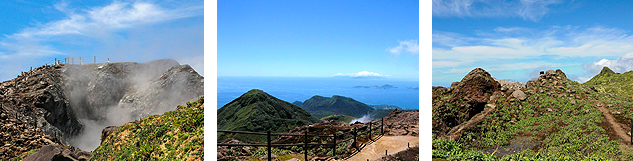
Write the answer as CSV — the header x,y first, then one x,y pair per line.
x,y
393,144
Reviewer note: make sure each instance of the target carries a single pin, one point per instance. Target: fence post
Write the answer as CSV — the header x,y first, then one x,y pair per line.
x,y
95,59
631,132
354,132
382,123
370,131
334,148
268,146
55,61
305,145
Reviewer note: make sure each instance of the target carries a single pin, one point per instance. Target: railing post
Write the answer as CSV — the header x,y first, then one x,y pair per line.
x,y
269,150
370,131
334,147
305,145
354,132
382,123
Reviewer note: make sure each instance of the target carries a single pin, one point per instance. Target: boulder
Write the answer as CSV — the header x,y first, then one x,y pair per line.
x,y
58,153
107,131
476,87
394,112
519,95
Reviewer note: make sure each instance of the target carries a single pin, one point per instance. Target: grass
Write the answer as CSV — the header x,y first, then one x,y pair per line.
x,y
562,130
175,135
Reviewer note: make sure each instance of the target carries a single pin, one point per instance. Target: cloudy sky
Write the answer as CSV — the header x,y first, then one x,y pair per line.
x,y
318,38
517,39
35,33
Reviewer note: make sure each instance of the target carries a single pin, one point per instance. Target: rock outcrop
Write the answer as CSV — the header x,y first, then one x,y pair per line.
x,y
58,153
36,98
507,85
472,93
17,137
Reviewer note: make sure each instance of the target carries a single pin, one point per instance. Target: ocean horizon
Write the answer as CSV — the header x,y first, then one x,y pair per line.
x,y
404,94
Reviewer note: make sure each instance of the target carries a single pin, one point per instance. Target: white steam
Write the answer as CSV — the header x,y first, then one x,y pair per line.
x,y
113,94
363,119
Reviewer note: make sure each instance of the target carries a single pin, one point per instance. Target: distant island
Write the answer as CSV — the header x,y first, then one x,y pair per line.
x,y
386,86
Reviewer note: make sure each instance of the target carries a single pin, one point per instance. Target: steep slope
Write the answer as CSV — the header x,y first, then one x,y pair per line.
x,y
611,82
37,98
320,106
174,135
24,137
552,118
257,111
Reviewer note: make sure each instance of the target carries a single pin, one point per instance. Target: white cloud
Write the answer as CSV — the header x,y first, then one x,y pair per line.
x,y
559,42
621,64
109,30
114,16
361,74
442,64
532,10
410,46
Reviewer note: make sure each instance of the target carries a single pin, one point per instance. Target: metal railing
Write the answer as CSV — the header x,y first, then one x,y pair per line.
x,y
80,60
354,131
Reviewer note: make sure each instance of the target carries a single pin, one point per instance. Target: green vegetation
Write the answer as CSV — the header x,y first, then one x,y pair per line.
x,y
611,82
339,118
557,121
324,106
175,135
257,111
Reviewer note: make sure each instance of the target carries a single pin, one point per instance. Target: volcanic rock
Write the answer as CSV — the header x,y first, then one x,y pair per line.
x,y
509,85
107,131
476,87
17,137
58,153
519,95
36,98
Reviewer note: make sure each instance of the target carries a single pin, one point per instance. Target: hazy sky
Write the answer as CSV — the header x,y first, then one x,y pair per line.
x,y
517,39
35,33
318,38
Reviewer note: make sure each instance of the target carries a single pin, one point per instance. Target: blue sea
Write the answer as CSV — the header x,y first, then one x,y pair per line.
x,y
292,89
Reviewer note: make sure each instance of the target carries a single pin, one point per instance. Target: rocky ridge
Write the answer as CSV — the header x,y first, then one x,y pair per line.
x,y
36,98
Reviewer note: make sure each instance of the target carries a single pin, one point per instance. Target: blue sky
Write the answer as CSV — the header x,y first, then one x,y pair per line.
x,y
517,39
34,33
318,38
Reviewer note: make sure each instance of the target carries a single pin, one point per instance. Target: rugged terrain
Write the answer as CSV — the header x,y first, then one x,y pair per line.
x,y
549,118
73,103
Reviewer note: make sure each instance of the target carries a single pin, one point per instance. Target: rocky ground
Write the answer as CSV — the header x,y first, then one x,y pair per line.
x,y
17,137
550,118
397,123
36,98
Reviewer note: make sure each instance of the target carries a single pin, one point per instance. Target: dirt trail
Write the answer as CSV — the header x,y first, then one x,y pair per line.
x,y
619,131
393,144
